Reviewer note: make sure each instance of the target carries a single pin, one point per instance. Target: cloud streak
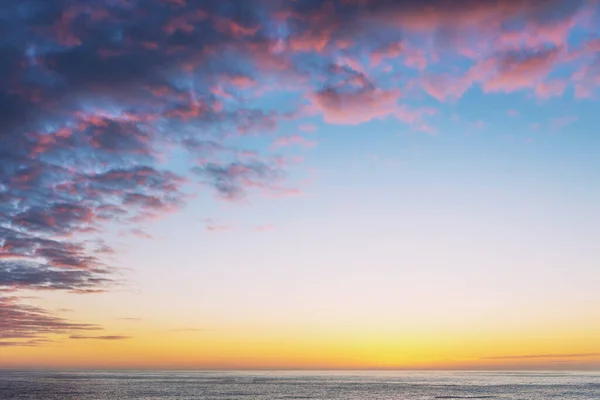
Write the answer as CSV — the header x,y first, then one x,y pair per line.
x,y
26,325
107,338
543,356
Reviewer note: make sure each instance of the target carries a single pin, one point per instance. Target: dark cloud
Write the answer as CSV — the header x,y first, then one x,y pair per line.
x,y
29,275
18,246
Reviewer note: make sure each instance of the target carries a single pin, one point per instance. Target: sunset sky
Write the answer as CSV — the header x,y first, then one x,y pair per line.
x,y
223,184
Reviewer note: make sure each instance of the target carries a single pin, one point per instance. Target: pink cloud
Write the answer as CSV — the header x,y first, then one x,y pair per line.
x,y
292,140
307,128
264,228
241,81
521,70
212,226
536,34
456,19
416,58
445,87
393,50
412,57
587,81
355,99
140,233
562,122
280,192
320,34
310,41
506,73
552,88
234,28
356,107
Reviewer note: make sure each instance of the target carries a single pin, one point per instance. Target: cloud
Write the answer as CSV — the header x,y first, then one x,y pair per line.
x,y
26,325
542,356
553,88
25,343
413,58
355,107
506,71
292,140
308,128
212,226
233,180
587,77
559,123
28,275
140,233
587,80
352,98
519,70
109,337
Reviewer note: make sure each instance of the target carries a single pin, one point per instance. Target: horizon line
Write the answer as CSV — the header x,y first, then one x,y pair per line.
x,y
95,369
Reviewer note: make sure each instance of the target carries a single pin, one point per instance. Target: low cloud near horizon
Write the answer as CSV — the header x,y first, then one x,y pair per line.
x,y
107,337
541,356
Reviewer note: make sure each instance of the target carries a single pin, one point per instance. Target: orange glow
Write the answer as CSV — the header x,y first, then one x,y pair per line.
x,y
318,349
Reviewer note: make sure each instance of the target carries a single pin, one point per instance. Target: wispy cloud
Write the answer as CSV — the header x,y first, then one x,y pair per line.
x,y
559,123
108,337
213,226
542,356
264,228
292,140
26,343
26,325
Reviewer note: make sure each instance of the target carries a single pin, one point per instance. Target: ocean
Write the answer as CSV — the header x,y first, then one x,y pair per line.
x,y
187,385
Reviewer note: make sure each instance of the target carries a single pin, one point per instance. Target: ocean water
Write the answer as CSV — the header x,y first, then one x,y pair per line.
x,y
144,385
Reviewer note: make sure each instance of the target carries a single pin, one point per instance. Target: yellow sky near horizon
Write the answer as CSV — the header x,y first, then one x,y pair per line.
x,y
152,346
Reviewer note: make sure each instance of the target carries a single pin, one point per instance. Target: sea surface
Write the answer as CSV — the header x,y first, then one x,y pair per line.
x,y
144,385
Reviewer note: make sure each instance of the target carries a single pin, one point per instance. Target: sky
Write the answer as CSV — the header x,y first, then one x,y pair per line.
x,y
308,184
